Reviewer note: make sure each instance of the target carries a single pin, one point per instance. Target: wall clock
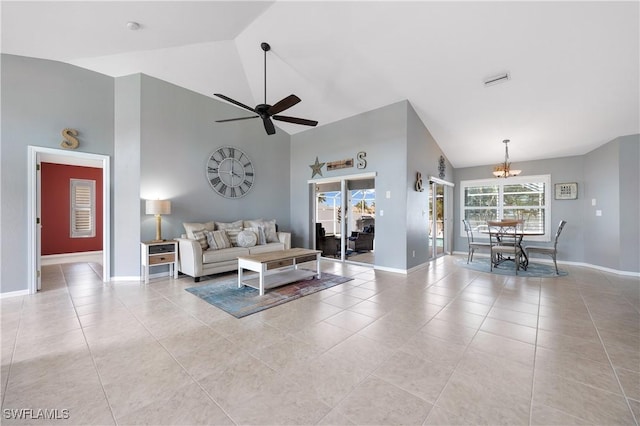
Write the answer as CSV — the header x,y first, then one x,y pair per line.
x,y
230,172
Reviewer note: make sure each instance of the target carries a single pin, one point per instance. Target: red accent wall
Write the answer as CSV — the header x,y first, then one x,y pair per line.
x,y
55,208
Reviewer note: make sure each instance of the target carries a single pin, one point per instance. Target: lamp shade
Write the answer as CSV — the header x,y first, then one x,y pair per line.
x,y
158,207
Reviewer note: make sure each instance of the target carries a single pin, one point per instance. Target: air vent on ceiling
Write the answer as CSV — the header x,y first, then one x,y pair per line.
x,y
497,79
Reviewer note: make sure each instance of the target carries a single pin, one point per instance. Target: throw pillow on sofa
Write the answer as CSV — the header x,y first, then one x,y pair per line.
x,y
247,238
201,237
192,227
232,228
218,240
268,225
259,232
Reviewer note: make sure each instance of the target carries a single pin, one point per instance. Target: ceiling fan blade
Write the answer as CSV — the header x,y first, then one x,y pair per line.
x,y
285,103
235,119
295,120
233,101
268,126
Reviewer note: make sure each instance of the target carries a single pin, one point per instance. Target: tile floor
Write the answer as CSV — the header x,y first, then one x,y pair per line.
x,y
442,345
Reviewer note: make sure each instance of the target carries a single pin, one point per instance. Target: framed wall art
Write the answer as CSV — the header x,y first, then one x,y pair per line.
x,y
566,191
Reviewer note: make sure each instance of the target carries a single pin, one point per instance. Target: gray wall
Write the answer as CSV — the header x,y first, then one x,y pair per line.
x,y
630,203
381,133
39,99
611,178
423,154
158,136
178,133
608,174
567,169
125,229
397,145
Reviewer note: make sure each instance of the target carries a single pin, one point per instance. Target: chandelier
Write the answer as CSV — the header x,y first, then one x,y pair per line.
x,y
504,170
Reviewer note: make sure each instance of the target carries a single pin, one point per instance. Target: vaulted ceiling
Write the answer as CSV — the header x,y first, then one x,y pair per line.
x,y
574,66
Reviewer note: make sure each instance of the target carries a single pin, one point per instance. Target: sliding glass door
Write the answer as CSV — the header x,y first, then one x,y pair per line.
x,y
440,210
345,213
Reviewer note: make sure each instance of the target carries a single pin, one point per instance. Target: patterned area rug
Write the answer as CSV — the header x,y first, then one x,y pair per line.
x,y
540,270
244,301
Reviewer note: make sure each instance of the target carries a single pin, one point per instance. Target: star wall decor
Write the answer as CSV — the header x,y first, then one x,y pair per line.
x,y
316,168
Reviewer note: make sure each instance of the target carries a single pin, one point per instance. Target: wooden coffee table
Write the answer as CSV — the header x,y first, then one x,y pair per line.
x,y
277,268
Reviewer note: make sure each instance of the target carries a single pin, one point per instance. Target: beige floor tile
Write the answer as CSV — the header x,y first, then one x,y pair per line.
x,y
635,408
590,348
128,391
508,329
335,418
422,378
521,318
438,416
155,354
433,348
505,303
328,378
583,329
282,355
573,366
497,372
367,353
514,350
463,318
543,415
349,320
369,309
630,381
323,335
449,331
393,405
186,405
579,400
469,398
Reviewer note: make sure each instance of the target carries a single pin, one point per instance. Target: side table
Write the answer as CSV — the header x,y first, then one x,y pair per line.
x,y
154,253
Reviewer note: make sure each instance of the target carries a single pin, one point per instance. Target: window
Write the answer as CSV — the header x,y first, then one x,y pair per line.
x,y
83,201
523,197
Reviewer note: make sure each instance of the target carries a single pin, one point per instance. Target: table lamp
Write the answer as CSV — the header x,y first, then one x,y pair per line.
x,y
158,208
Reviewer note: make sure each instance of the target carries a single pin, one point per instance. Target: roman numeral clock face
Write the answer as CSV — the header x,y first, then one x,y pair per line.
x,y
230,172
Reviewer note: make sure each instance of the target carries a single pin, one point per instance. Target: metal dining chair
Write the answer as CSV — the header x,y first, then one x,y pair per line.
x,y
548,251
505,242
473,245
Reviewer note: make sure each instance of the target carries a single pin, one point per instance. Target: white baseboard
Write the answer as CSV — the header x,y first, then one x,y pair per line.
x,y
14,294
86,256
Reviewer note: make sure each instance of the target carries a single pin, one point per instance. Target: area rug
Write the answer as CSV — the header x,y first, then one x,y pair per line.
x,y
244,301
539,270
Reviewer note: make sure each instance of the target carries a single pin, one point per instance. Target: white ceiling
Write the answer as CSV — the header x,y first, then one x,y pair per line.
x,y
575,66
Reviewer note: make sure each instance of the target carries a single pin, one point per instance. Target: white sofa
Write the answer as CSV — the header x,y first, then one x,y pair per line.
x,y
197,262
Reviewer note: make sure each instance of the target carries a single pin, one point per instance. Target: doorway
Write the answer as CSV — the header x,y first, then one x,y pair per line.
x,y
36,155
344,218
440,211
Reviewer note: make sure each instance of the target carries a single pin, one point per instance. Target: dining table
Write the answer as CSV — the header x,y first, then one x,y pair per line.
x,y
517,230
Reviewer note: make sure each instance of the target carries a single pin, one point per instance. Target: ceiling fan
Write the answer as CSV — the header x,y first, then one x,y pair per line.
x,y
266,111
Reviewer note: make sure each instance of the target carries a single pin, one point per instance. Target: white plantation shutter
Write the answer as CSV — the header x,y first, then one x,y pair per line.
x,y
83,199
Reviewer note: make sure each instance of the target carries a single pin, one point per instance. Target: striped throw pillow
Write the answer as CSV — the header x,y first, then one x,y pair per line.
x,y
218,240
201,237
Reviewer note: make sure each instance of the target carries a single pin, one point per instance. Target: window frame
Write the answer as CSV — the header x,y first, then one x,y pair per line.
x,y
501,183
74,184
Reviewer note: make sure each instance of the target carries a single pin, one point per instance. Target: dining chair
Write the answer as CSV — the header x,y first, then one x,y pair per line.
x,y
548,251
505,242
473,245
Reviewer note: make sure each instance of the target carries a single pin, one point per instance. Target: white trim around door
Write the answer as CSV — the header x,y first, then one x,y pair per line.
x,y
34,156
